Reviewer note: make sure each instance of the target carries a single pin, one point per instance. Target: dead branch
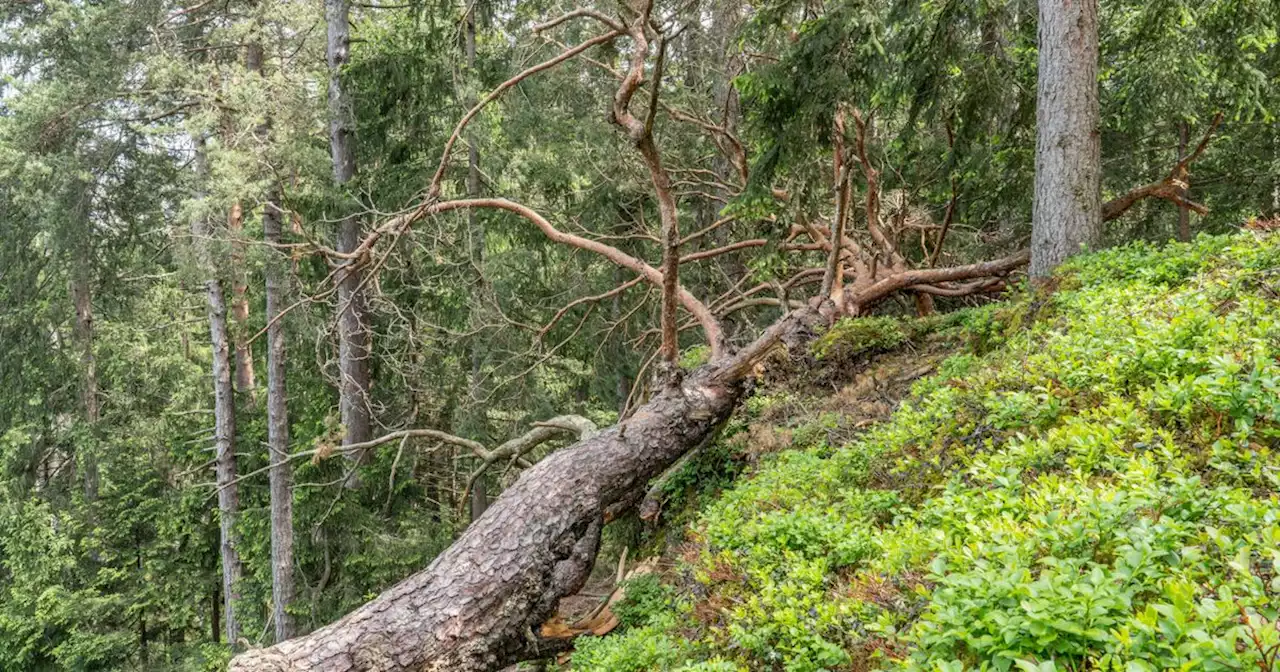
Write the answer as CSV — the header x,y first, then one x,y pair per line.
x,y
433,189
932,276
710,327
1169,188
588,299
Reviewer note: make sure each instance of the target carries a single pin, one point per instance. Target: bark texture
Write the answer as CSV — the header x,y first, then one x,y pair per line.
x,y
224,418
1066,210
476,420
479,605
280,476
353,334
245,378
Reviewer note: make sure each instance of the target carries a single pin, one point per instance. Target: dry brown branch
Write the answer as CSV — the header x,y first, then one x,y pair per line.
x,y
1169,188
588,299
724,249
433,188
711,328
580,12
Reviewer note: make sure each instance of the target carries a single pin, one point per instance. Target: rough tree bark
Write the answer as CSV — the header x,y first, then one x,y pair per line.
x,y
476,423
479,605
280,475
1066,209
224,415
353,334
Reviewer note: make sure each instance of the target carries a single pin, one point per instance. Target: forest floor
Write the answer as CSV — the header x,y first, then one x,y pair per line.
x,y
1080,480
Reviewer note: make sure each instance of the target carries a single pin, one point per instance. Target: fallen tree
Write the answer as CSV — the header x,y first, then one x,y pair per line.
x,y
482,603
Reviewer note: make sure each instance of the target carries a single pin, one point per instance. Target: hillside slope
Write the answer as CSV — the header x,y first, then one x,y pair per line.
x,y
1089,483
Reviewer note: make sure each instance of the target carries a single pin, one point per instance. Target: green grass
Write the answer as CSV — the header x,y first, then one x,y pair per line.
x,y
1095,491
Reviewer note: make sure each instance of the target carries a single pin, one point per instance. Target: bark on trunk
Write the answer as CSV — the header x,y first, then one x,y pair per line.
x,y
224,417
476,421
1066,210
280,476
353,335
479,605
245,378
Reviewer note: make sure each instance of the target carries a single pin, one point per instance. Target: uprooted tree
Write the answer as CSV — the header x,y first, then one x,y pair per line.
x,y
481,604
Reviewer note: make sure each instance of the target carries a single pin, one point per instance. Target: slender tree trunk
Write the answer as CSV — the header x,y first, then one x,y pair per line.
x,y
245,378
280,475
224,416
1184,214
283,589
477,421
1067,206
353,334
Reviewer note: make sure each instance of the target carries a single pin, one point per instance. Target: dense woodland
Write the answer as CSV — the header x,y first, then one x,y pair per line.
x,y
297,294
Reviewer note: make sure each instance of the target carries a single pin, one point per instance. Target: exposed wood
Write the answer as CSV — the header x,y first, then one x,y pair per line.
x,y
1172,188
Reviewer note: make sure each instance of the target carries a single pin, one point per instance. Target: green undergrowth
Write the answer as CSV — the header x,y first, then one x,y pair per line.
x,y
1088,484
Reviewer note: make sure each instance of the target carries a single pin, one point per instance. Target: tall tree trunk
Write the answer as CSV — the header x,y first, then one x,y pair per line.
x,y
353,334
280,475
1184,213
1067,206
477,420
224,416
245,378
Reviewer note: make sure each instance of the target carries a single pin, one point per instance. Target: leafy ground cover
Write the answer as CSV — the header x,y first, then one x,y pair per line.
x,y
1089,483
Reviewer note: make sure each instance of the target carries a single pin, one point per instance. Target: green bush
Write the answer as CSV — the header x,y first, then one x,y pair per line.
x,y
1094,489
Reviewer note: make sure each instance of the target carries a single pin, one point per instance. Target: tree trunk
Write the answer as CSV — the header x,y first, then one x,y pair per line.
x,y
224,416
280,475
245,378
1066,209
353,334
476,421
480,603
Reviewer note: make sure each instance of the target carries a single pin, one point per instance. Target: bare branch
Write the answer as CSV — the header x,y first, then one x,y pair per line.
x,y
433,190
588,299
706,320
1170,188
580,12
